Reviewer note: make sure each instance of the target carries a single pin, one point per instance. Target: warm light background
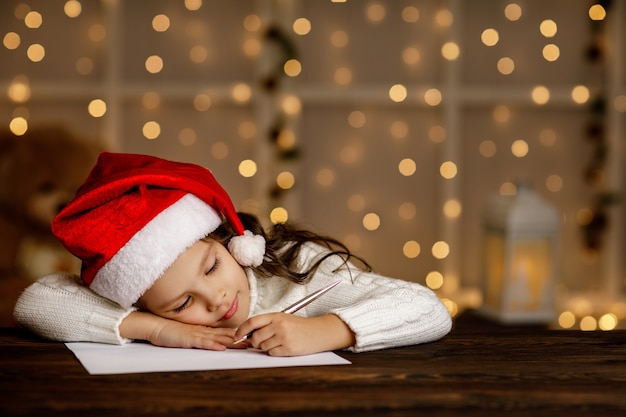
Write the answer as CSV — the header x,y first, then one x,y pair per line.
x,y
406,114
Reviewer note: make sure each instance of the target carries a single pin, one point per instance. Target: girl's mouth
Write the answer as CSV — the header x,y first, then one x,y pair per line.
x,y
231,310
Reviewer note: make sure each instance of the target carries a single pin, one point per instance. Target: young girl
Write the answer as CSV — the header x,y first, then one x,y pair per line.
x,y
166,259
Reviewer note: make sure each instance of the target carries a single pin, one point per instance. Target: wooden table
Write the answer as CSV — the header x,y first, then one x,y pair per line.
x,y
479,369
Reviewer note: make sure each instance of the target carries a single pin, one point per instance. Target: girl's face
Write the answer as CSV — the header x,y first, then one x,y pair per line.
x,y
205,285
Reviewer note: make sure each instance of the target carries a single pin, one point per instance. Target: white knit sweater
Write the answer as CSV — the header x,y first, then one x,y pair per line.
x,y
382,312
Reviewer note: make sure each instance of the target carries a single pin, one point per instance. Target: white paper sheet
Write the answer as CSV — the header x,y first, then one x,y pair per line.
x,y
100,359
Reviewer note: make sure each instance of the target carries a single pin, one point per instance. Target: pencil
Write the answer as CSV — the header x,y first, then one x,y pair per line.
x,y
298,305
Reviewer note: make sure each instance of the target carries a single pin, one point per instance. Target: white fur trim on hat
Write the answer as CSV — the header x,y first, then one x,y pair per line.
x,y
248,249
153,249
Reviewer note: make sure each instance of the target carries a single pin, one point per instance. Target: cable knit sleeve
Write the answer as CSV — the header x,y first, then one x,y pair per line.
x,y
382,312
60,307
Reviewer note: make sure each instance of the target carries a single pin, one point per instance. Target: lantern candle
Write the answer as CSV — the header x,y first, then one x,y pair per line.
x,y
521,257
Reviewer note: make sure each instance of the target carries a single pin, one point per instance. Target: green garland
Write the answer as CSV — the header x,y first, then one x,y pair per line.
x,y
596,135
271,83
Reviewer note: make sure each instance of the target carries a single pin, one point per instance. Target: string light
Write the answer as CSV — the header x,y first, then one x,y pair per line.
x,y
580,94
11,40
487,148
72,8
356,203
343,76
371,221
513,12
285,180
36,52
433,97
547,137
490,37
507,188
607,322
241,93
84,66
202,102
376,12
597,12
437,134
540,95
501,114
325,177
188,137
286,139
151,100
160,23
448,170
411,56
588,323
154,64
397,93
247,168
97,108
411,249
548,28
407,167
291,105
450,51
407,211
357,119
219,150
554,183
440,250
19,89
96,33
399,129
18,126
247,130
33,20
506,65
302,26
567,320
350,154
292,67
198,54
519,148
452,209
151,130
252,23
551,52
444,18
434,280
339,39
279,215
410,14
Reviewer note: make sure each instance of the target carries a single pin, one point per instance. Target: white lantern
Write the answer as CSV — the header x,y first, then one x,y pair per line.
x,y
521,250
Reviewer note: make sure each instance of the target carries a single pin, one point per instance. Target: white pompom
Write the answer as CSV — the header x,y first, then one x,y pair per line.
x,y
248,249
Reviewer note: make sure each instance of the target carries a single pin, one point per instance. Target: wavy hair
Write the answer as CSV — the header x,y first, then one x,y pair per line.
x,y
283,242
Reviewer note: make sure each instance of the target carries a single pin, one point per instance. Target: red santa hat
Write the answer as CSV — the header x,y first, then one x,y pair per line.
x,y
135,214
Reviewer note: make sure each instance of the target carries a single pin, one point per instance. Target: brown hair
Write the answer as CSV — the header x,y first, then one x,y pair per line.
x,y
283,244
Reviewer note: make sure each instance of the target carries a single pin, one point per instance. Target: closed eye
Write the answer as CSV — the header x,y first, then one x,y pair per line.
x,y
183,306
214,267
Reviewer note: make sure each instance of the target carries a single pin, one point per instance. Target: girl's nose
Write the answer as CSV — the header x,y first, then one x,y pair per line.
x,y
215,299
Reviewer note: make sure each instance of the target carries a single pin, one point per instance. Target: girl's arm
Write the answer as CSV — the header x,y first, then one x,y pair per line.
x,y
60,307
281,334
381,312
169,333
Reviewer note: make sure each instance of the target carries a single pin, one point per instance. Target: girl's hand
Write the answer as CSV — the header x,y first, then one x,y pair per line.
x,y
281,334
169,333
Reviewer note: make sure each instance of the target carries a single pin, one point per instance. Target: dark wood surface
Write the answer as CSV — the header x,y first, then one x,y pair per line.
x,y
479,369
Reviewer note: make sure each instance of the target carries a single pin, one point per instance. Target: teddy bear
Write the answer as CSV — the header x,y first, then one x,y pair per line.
x,y
40,172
